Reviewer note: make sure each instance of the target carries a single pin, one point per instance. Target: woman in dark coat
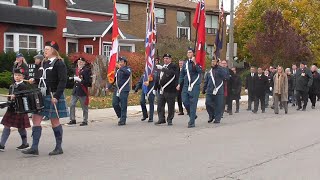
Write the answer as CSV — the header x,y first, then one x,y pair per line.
x,y
236,88
315,88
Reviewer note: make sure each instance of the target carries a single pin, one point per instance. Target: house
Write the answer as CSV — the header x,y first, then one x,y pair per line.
x,y
174,19
76,25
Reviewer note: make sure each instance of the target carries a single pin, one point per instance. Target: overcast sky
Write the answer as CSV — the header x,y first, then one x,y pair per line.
x,y
226,5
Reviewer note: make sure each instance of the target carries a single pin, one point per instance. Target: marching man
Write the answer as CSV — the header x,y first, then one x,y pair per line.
x,y
190,74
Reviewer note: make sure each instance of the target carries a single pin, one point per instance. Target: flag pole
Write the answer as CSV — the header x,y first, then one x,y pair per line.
x,y
198,21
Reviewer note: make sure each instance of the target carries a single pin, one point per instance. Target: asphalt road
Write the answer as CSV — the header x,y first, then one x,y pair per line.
x,y
244,146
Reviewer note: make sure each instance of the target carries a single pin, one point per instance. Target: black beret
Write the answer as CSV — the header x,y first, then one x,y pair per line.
x,y
167,55
52,44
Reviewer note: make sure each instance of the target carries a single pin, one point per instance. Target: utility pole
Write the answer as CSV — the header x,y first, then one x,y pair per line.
x,y
231,40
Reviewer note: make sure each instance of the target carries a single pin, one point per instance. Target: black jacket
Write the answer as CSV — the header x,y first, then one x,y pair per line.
x,y
56,78
260,85
81,88
303,79
13,89
236,86
270,82
249,84
315,88
168,73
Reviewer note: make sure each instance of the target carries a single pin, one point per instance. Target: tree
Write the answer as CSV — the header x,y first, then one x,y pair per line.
x,y
302,15
278,43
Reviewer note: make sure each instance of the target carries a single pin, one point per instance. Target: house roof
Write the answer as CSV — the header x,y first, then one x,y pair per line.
x,y
86,28
104,6
180,3
27,16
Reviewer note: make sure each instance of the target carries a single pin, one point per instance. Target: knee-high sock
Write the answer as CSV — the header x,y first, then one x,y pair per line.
x,y
36,134
5,135
23,135
58,132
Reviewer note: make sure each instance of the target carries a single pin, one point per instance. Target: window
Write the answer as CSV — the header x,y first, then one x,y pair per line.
x,y
10,2
23,42
212,24
106,50
160,15
183,23
123,10
9,43
128,48
39,4
88,49
210,50
183,32
72,45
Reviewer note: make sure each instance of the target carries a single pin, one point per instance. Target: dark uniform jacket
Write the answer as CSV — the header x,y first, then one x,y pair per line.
x,y
81,88
236,86
122,75
141,81
219,75
249,84
315,88
194,71
303,79
260,85
56,79
13,89
168,73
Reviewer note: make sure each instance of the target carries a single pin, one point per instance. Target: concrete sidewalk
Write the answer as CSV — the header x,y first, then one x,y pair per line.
x,y
108,113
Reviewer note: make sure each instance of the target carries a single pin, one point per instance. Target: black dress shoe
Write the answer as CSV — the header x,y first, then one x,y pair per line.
x,y
216,122
150,120
299,108
72,122
248,109
263,111
160,122
121,123
144,118
84,124
181,113
191,125
210,120
255,112
31,151
313,107
56,151
293,105
304,109
169,123
237,111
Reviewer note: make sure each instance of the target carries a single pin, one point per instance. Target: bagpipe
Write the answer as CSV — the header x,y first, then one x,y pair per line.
x,y
26,101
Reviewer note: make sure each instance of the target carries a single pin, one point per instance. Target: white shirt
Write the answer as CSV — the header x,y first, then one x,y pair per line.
x,y
252,74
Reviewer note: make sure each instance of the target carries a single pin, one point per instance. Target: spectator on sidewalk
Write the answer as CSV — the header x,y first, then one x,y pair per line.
x,y
260,86
249,87
270,87
179,97
315,88
304,80
236,88
280,91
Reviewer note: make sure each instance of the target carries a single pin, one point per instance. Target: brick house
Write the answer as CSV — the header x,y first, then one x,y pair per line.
x,y
173,19
81,27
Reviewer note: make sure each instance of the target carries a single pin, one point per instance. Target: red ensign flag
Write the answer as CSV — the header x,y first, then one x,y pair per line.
x,y
199,22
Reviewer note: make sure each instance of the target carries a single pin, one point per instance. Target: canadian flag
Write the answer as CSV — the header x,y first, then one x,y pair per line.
x,y
115,45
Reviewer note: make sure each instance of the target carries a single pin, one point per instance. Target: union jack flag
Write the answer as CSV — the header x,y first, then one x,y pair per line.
x,y
150,46
219,37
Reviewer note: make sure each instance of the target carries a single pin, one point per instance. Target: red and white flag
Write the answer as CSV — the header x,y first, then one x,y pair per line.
x,y
115,45
199,22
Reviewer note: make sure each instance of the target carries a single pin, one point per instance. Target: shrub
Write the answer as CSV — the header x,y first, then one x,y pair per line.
x,y
5,79
243,76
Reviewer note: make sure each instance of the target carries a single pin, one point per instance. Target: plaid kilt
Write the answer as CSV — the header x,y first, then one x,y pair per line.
x,y
49,110
12,119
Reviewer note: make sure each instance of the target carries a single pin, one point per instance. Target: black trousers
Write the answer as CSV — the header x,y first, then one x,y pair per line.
x,y
179,99
261,99
313,98
170,99
237,104
302,96
251,99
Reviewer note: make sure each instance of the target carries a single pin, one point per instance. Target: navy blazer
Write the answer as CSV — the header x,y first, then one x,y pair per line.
x,y
219,75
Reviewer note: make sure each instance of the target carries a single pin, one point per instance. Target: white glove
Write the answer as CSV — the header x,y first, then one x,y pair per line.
x,y
159,66
76,78
246,90
154,92
270,88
